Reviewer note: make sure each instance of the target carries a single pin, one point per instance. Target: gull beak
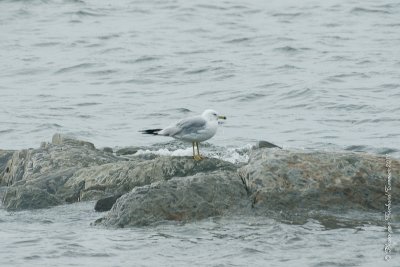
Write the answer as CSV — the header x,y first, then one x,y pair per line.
x,y
222,117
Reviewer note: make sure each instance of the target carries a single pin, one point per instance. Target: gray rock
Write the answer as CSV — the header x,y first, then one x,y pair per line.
x,y
155,188
107,149
33,163
48,168
29,197
5,156
105,204
188,198
3,190
59,139
127,151
265,144
121,177
281,180
72,170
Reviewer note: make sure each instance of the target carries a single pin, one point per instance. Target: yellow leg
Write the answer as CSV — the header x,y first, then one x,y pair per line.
x,y
198,156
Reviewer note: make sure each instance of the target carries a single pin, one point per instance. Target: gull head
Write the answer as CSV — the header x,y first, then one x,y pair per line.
x,y
212,115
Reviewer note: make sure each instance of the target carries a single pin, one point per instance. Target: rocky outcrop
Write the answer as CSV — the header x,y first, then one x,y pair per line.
x,y
145,188
69,170
281,180
274,182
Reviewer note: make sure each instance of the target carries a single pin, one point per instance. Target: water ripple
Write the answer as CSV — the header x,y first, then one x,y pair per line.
x,y
75,68
86,104
306,92
357,10
289,15
86,13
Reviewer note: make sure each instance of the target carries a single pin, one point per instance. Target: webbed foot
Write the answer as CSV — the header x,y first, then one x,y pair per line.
x,y
197,157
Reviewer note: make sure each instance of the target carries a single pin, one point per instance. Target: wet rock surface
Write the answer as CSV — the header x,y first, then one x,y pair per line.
x,y
127,151
280,180
120,177
105,204
5,156
193,197
146,189
265,144
47,169
29,197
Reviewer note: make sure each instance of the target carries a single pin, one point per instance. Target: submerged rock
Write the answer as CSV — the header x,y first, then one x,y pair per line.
x,y
281,180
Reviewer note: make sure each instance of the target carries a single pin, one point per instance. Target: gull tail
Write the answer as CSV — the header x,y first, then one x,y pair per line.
x,y
151,131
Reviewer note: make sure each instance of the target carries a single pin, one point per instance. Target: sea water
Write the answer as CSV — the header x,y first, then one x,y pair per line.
x,y
321,75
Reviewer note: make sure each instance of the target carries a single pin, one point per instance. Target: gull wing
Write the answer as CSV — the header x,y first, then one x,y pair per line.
x,y
186,126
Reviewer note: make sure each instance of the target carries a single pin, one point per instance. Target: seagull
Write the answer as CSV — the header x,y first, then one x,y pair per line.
x,y
193,129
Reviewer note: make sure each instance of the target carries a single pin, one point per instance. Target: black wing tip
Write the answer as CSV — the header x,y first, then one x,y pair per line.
x,y
150,131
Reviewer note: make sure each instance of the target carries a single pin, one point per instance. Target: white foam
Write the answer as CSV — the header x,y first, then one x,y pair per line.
x,y
233,155
166,152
